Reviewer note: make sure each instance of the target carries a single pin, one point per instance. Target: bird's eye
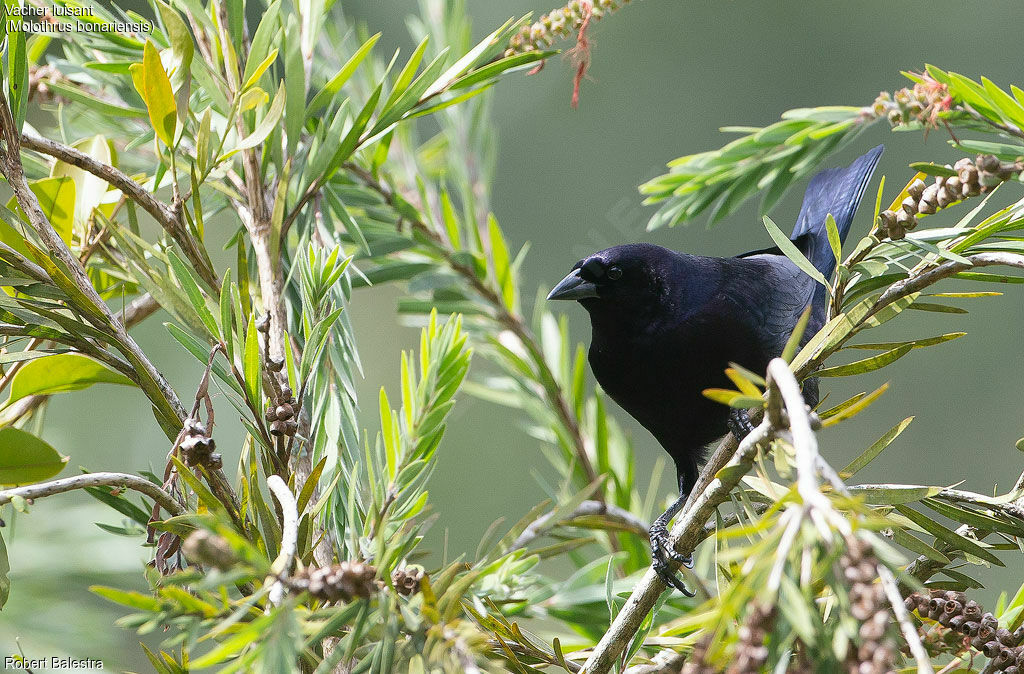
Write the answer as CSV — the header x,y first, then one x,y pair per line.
x,y
614,273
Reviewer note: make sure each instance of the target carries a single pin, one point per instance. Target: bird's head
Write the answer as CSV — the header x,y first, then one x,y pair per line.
x,y
623,279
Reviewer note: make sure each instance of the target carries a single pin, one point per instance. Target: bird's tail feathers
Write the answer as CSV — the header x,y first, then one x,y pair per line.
x,y
837,191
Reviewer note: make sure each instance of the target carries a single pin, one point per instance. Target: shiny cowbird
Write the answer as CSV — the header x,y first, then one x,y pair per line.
x,y
665,326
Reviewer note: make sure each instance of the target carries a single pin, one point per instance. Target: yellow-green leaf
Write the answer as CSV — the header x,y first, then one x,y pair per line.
x,y
60,373
157,93
25,459
57,199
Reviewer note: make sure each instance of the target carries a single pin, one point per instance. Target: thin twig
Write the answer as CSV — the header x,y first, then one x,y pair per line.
x,y
289,536
134,482
612,513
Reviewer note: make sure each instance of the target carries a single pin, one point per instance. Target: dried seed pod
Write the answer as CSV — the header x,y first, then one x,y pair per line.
x,y
291,427
886,220
343,581
961,163
270,414
987,179
968,174
284,412
1011,669
972,610
916,188
277,428
991,648
1005,637
407,581
953,607
275,365
954,185
930,194
944,198
286,391
957,622
909,205
927,208
209,549
971,627
987,162
910,603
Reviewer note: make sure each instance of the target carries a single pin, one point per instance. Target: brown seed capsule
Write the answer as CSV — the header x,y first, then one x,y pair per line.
x,y
291,427
968,174
962,163
972,610
1011,669
971,627
886,220
906,221
930,194
991,648
953,607
944,198
286,392
987,179
916,188
927,208
911,603
270,413
954,185
957,622
910,205
284,412
987,162
1005,637
277,428
216,461
275,365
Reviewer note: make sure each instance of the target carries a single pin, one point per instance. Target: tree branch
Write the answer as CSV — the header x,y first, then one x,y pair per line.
x,y
134,482
612,513
289,536
161,212
151,381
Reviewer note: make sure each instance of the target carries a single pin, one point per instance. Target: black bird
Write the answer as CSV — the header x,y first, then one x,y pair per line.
x,y
665,326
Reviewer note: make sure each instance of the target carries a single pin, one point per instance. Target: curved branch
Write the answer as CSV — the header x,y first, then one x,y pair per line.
x,y
133,482
612,513
160,211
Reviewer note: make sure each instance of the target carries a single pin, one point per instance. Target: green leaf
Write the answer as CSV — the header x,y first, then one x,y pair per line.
x,y
60,373
792,252
17,75
833,238
5,570
253,382
265,34
154,86
894,493
295,85
191,287
947,535
915,343
57,200
324,96
874,450
260,69
25,459
264,128
866,364
89,192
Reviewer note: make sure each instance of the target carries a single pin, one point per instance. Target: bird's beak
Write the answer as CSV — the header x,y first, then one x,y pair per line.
x,y
573,287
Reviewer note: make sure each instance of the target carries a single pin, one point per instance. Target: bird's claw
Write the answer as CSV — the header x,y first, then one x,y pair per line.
x,y
739,423
662,553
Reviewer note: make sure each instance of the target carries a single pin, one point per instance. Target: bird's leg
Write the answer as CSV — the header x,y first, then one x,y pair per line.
x,y
662,550
663,553
739,423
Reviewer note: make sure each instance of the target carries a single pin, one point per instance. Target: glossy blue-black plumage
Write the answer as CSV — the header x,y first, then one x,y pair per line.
x,y
665,324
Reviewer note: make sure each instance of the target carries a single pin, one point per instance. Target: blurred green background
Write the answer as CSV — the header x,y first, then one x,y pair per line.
x,y
665,76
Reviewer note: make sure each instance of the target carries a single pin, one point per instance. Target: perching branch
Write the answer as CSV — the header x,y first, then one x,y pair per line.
x,y
689,527
134,482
